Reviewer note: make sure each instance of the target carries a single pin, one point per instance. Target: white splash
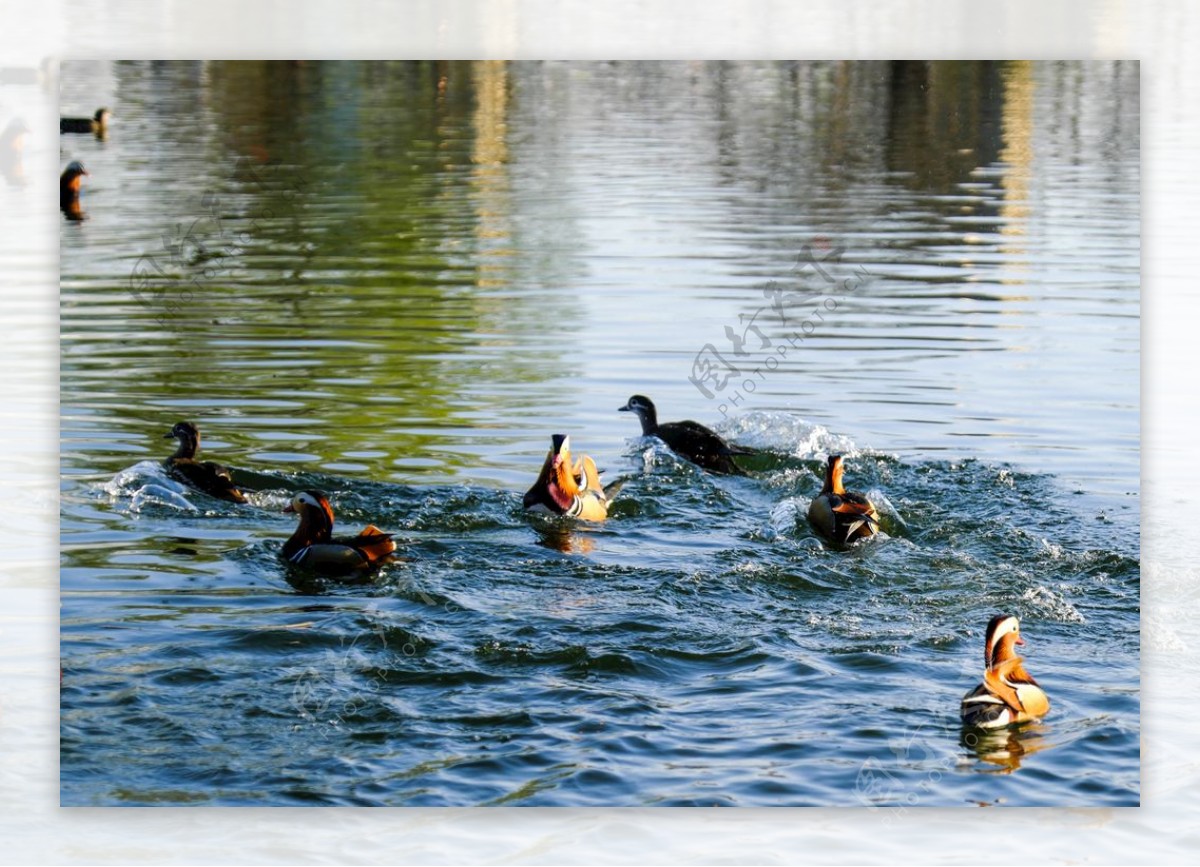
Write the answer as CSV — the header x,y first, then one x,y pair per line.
x,y
784,432
146,483
1053,604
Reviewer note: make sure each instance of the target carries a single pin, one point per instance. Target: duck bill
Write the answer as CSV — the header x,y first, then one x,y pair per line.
x,y
289,508
624,408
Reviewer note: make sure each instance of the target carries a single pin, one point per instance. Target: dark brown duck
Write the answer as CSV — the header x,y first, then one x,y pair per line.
x,y
97,123
688,439
207,476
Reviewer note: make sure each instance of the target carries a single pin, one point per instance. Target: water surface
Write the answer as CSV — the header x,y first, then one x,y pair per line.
x,y
393,282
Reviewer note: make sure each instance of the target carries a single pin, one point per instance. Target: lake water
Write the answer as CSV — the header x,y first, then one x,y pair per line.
x,y
394,282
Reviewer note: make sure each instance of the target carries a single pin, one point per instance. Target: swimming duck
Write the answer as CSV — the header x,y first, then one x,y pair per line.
x,y
566,489
1008,694
314,548
840,515
207,476
97,123
69,183
688,439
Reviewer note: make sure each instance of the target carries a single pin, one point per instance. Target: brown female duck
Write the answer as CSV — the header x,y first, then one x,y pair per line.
x,y
839,515
688,439
566,489
1008,694
313,547
207,476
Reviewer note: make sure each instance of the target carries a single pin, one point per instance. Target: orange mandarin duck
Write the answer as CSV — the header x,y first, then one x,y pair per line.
x,y
566,489
69,184
1008,694
314,548
839,515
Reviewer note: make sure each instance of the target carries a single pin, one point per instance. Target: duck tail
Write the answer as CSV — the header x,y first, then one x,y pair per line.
x,y
614,487
984,711
861,514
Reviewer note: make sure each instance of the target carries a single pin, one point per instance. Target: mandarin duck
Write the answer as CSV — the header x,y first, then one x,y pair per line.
x,y
69,184
566,489
313,546
688,439
839,515
1008,694
207,476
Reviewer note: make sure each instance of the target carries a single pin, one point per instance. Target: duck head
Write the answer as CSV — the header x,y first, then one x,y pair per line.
x,y
557,478
646,413
101,117
1003,633
834,468
316,516
189,439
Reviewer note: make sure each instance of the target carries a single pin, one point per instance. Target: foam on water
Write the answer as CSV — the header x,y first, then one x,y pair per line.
x,y
695,574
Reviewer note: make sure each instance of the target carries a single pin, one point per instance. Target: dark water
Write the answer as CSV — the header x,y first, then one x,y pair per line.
x,y
357,278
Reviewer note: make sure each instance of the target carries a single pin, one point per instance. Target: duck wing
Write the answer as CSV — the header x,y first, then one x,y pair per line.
x,y
697,433
376,546
854,515
1011,682
347,554
216,469
995,681
700,445
329,558
590,476
206,476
